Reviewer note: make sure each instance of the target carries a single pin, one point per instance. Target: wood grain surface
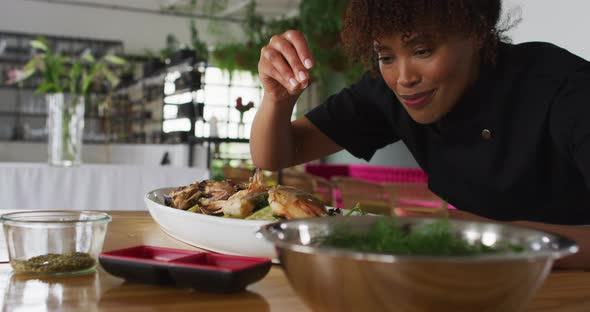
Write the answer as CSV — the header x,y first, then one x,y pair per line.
x,y
562,291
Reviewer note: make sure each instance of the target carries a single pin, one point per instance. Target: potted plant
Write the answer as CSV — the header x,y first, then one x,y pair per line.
x,y
66,82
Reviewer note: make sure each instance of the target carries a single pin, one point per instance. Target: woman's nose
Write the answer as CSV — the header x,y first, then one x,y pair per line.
x,y
407,77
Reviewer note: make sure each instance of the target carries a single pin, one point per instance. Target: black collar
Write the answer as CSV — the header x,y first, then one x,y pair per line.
x,y
473,113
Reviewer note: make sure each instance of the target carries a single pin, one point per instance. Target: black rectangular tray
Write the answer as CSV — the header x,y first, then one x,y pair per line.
x,y
185,268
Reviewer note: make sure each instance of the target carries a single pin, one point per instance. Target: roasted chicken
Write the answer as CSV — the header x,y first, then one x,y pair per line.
x,y
225,198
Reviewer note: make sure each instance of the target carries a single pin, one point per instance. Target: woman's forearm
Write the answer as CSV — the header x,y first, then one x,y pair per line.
x,y
271,139
581,234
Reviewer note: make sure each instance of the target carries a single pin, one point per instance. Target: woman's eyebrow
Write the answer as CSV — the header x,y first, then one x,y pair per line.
x,y
417,39
379,48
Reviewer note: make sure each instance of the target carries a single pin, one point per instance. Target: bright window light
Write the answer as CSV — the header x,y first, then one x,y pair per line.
x,y
181,98
200,97
169,88
217,95
244,78
170,111
201,129
214,75
171,76
173,125
215,111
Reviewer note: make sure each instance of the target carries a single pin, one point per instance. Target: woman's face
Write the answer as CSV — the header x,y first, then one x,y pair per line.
x,y
428,74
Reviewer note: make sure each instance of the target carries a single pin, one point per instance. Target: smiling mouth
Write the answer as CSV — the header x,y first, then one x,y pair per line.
x,y
417,99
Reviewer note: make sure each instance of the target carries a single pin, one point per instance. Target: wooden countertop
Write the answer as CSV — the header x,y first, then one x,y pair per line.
x,y
563,290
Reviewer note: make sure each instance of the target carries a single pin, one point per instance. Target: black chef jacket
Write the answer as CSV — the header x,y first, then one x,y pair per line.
x,y
515,147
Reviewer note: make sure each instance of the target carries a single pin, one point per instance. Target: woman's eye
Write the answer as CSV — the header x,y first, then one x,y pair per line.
x,y
423,52
385,59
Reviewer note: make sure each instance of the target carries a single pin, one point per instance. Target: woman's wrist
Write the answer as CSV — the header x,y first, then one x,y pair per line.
x,y
280,107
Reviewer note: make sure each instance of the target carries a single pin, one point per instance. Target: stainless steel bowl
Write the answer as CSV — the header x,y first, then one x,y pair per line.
x,y
333,279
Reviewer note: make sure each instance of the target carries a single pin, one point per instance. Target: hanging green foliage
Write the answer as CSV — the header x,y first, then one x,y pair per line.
x,y
319,21
245,55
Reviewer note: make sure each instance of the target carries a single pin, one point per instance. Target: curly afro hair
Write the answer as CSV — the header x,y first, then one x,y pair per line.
x,y
365,20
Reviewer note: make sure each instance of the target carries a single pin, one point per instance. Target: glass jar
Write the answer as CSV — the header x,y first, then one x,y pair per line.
x,y
54,242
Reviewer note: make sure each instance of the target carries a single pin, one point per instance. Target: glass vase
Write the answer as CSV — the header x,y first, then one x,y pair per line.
x,y
65,125
241,130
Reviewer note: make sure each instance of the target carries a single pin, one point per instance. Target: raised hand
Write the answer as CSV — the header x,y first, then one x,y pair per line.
x,y
284,66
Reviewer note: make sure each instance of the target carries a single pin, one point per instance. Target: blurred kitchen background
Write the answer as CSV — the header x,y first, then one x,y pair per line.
x,y
188,62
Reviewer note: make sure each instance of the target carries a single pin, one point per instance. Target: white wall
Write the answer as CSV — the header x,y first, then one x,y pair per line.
x,y
138,31
564,23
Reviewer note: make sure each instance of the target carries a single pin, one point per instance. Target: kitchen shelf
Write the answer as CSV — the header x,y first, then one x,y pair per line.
x,y
136,113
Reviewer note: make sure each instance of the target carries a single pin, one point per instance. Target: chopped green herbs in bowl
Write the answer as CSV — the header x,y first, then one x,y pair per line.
x,y
377,263
388,237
